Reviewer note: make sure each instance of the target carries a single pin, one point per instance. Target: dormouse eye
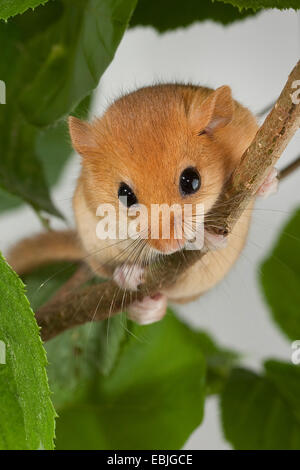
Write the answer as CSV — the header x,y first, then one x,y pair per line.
x,y
190,181
126,192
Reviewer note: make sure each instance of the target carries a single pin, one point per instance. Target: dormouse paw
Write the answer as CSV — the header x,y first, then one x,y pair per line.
x,y
149,310
214,241
270,185
129,276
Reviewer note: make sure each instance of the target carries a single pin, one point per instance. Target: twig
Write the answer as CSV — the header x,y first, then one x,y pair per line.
x,y
44,220
289,169
265,110
100,301
81,276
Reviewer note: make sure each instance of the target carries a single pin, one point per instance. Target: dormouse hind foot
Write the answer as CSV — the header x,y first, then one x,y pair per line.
x,y
149,310
129,276
270,185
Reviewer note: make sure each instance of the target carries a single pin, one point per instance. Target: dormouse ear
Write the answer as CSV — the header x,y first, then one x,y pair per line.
x,y
82,136
214,112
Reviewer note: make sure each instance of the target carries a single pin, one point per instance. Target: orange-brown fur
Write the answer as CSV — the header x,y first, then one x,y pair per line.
x,y
44,248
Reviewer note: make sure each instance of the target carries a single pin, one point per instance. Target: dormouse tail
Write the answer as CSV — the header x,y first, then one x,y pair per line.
x,y
44,248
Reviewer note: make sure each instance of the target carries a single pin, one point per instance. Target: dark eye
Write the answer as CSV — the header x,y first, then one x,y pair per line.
x,y
190,181
126,192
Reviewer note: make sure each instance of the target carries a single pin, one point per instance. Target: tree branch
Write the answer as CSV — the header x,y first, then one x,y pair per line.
x,y
100,301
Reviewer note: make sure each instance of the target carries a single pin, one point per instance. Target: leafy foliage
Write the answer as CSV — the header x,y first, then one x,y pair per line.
x,y
29,44
23,177
8,201
44,152
52,149
219,362
14,7
107,372
63,65
150,387
170,14
258,4
262,411
53,145
53,58
27,415
280,278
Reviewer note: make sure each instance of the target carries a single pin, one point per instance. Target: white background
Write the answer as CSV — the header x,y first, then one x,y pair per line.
x,y
254,57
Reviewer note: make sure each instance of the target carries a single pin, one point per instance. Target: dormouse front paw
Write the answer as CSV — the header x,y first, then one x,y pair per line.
x,y
214,241
149,310
129,276
270,185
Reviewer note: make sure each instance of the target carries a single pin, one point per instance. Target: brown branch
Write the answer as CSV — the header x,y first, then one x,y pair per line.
x,y
99,301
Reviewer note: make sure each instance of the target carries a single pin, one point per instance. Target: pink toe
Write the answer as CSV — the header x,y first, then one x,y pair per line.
x,y
149,310
270,184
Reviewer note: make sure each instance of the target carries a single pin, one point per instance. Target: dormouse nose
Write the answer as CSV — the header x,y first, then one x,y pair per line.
x,y
167,230
168,247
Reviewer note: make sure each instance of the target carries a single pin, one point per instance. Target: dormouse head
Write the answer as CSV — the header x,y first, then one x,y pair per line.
x,y
161,145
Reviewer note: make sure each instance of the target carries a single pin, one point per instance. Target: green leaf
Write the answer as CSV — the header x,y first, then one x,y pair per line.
x,y
53,144
171,14
35,22
280,279
8,201
27,414
258,4
53,149
51,152
21,172
262,412
65,63
152,398
14,7
79,355
286,378
219,363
